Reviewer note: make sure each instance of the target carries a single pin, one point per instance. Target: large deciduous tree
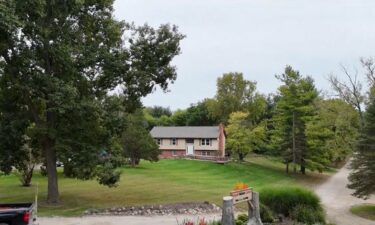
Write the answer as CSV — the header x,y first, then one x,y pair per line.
x,y
58,59
234,93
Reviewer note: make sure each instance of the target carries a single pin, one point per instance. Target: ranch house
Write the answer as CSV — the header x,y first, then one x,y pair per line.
x,y
190,141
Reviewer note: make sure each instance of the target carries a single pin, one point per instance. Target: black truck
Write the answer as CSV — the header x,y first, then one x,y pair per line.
x,y
17,214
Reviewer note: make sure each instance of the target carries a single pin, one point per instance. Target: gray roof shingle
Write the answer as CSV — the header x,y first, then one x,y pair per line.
x,y
185,132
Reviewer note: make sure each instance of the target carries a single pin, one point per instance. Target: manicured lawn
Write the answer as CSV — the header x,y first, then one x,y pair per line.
x,y
167,181
366,211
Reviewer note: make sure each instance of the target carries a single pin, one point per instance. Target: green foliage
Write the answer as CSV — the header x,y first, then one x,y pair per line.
x,y
283,200
238,140
107,175
137,142
363,163
233,94
266,214
242,218
293,110
59,59
307,215
332,134
158,111
199,114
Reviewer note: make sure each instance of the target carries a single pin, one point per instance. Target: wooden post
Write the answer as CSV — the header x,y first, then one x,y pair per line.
x,y
254,210
228,213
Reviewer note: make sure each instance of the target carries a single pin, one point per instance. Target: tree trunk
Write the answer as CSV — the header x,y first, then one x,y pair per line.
x,y
50,153
294,143
133,161
287,167
303,169
241,157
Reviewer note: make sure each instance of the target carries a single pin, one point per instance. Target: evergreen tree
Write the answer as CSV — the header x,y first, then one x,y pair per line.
x,y
136,141
363,164
293,110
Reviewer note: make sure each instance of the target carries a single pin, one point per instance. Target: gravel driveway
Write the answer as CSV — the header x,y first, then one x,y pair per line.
x,y
122,220
337,200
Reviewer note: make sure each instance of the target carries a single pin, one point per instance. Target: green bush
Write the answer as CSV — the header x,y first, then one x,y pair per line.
x,y
282,200
266,214
214,223
307,215
243,218
240,222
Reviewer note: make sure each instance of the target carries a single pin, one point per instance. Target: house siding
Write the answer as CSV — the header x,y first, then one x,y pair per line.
x,y
215,148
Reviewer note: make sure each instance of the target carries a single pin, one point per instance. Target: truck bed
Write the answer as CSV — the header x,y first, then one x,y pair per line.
x,y
15,214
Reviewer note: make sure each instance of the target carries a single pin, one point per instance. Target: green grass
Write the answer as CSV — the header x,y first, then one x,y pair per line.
x,y
167,181
366,211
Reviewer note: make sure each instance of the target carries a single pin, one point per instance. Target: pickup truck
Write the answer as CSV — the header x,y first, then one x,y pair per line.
x,y
17,214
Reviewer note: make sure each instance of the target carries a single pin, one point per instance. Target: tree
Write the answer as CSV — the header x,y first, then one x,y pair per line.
x,y
179,117
351,91
58,59
159,111
340,122
363,163
238,140
199,115
137,142
294,109
234,93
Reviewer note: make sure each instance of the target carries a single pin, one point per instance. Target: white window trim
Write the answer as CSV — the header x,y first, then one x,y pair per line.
x,y
206,141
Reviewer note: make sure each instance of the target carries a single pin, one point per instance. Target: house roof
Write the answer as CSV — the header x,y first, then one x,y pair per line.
x,y
185,132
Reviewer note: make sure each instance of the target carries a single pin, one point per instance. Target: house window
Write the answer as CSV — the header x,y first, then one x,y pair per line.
x,y
173,141
174,152
206,153
205,141
159,141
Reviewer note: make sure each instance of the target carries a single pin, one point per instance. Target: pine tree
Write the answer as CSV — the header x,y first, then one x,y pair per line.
x,y
363,164
294,109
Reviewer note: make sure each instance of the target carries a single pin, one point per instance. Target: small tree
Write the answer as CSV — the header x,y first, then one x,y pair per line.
x,y
26,166
238,135
137,142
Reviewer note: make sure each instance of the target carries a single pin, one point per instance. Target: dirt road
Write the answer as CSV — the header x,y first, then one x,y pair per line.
x,y
337,200
122,220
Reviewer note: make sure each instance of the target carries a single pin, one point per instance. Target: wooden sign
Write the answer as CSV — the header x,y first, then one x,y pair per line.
x,y
241,195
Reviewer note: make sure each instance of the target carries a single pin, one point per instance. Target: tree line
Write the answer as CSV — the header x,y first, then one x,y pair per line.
x,y
307,129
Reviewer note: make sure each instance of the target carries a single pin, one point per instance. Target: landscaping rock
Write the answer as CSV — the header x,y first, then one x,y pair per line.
x,y
149,210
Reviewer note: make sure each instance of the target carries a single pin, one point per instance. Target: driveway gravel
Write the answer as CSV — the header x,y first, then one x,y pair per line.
x,y
123,220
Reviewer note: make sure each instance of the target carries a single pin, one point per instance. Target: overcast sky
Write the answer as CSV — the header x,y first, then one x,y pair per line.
x,y
257,38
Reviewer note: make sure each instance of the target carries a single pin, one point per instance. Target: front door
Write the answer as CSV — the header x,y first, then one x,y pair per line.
x,y
190,149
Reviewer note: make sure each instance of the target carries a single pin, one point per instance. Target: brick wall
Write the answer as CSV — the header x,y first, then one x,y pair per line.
x,y
172,153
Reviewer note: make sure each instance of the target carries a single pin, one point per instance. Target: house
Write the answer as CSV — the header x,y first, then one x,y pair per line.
x,y
190,140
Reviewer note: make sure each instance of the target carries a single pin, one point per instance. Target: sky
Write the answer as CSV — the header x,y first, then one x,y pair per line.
x,y
256,37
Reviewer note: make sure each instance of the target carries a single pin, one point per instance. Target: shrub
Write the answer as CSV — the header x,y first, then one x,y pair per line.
x,y
243,218
282,200
307,215
266,214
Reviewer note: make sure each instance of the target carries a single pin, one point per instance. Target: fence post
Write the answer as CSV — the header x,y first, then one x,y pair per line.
x,y
228,213
254,210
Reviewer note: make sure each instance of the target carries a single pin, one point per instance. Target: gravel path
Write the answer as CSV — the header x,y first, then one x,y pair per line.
x,y
337,200
122,220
